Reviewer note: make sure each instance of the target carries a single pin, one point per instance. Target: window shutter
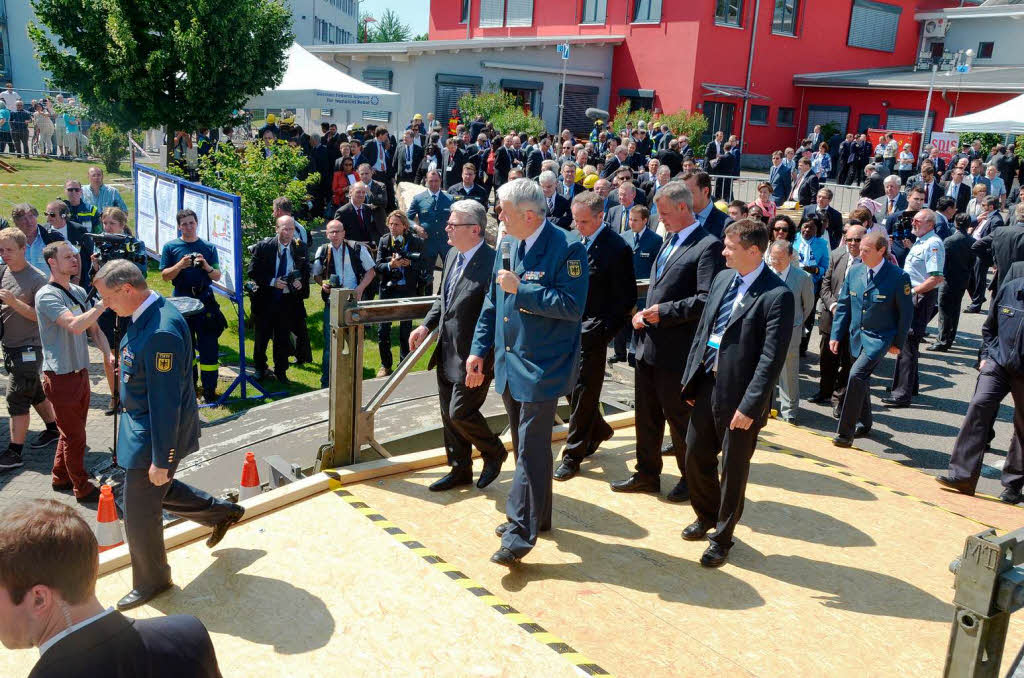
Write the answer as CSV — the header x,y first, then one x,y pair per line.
x,y
873,25
519,13
492,13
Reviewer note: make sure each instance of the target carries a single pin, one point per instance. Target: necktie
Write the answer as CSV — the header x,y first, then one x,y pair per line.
x,y
408,158
721,320
282,268
433,205
871,276
551,204
623,222
663,257
359,212
586,242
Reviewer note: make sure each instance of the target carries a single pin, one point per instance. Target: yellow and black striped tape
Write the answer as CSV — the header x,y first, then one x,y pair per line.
x,y
536,631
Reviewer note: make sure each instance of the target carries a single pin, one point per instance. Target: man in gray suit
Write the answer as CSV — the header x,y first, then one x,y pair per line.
x,y
780,257
464,283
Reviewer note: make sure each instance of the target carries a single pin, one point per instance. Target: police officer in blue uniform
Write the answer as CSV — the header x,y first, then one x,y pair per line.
x,y
191,265
875,308
645,244
429,211
159,428
532,318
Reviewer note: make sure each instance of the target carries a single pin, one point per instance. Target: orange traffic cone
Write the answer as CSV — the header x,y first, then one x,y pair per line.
x,y
250,477
108,527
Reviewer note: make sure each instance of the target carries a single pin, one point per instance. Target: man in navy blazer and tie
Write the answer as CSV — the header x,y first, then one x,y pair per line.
x,y
680,281
531,319
780,178
710,217
645,245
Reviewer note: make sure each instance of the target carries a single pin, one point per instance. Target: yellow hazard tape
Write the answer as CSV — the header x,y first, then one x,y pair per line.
x,y
536,631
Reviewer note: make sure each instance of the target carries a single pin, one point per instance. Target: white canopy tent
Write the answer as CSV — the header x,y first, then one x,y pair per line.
x,y
310,84
1006,118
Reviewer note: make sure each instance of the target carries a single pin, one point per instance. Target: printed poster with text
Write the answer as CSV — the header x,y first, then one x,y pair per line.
x,y
221,219
167,213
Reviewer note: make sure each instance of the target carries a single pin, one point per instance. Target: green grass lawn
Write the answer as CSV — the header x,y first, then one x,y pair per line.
x,y
303,379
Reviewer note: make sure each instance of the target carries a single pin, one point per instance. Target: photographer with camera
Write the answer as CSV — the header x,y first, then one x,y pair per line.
x,y
191,265
343,264
399,255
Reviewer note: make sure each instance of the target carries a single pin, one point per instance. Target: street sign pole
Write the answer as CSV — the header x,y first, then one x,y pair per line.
x,y
563,49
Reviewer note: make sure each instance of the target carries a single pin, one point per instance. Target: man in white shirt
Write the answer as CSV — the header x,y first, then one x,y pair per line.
x,y
9,96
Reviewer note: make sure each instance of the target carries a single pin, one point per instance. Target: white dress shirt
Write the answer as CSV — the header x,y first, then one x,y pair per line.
x,y
82,624
153,296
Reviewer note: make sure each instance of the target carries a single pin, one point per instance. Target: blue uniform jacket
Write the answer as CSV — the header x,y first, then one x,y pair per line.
x,y
535,333
433,221
876,314
160,424
645,254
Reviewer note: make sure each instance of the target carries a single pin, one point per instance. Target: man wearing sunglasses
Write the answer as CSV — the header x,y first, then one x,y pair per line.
x,y
80,211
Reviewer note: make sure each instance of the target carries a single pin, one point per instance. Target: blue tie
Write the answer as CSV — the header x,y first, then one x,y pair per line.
x,y
282,268
453,278
721,320
663,257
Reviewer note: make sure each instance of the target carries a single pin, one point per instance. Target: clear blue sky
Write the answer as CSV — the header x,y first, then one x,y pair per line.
x,y
413,12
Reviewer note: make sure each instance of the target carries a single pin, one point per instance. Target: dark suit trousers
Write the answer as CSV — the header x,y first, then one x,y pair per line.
x,y
834,369
275,320
994,382
404,329
904,378
857,405
717,501
587,428
979,281
144,504
464,426
950,299
658,397
529,500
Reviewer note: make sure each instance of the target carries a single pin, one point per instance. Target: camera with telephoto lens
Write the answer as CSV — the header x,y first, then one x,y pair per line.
x,y
111,246
289,278
903,228
398,274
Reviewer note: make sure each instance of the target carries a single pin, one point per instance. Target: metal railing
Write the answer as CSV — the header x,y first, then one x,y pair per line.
x,y
350,423
844,198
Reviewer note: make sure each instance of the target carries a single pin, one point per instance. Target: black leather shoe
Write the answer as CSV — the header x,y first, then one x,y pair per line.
x,y
972,309
679,493
616,359
637,483
895,403
491,470
504,557
941,348
596,445
696,531
842,441
1011,496
861,431
282,377
961,486
668,450
139,597
714,556
567,469
221,528
821,399
450,480
500,530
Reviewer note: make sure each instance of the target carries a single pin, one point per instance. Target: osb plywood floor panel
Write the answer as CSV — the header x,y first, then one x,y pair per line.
x,y
831,575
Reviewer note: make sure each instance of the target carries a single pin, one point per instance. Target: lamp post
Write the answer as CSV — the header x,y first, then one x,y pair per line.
x,y
961,64
366,29
928,104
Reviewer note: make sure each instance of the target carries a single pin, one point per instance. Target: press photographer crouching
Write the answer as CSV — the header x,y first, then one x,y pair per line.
x,y
115,242
343,264
191,265
399,256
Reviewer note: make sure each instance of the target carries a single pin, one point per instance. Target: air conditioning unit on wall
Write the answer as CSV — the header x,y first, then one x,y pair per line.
x,y
936,28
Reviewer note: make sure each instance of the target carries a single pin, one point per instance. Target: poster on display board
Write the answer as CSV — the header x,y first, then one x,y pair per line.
x,y
195,201
145,203
166,212
221,217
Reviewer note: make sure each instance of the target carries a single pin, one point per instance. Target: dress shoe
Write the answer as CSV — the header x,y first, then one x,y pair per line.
x,y
616,359
821,399
837,411
500,530
384,372
260,375
139,597
961,486
1011,496
941,348
637,483
91,498
714,556
842,441
567,469
221,528
490,471
789,420
450,480
696,531
596,445
861,431
211,398
504,557
972,309
895,403
679,493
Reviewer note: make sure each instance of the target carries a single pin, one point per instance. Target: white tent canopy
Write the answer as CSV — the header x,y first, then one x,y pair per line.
x,y
1006,118
310,83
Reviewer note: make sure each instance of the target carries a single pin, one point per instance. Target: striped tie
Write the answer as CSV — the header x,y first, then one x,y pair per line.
x,y
721,320
663,257
454,278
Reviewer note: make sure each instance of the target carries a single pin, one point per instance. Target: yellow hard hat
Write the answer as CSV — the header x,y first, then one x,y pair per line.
x,y
599,122
590,181
271,118
417,117
579,174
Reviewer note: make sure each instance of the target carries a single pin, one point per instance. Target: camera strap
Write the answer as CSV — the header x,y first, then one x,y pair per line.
x,y
69,295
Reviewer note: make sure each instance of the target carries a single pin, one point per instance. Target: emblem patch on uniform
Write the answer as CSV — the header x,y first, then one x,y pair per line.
x,y
164,362
575,269
906,289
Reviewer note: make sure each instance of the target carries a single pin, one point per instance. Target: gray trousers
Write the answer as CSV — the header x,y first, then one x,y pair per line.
x,y
529,500
789,378
144,504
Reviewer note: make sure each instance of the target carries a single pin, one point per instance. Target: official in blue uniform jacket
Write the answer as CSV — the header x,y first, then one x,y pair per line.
x,y
159,428
429,211
532,318
645,244
875,309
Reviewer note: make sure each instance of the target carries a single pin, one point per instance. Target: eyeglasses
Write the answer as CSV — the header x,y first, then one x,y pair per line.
x,y
454,225
853,240
781,228
52,214
73,190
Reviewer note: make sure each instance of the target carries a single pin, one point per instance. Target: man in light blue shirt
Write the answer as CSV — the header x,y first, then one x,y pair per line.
x,y
99,194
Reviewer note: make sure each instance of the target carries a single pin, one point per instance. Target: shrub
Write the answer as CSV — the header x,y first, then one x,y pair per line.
x,y
109,145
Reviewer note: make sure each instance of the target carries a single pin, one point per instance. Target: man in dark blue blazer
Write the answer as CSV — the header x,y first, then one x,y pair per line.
x,y
780,178
159,428
831,218
60,615
874,309
710,217
531,318
645,244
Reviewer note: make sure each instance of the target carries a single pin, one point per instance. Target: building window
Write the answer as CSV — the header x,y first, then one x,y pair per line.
x,y
519,13
784,17
727,12
873,25
985,50
758,115
465,11
594,11
492,13
784,118
379,78
647,11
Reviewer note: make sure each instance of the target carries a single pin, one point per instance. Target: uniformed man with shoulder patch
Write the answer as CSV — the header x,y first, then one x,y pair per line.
x,y
159,428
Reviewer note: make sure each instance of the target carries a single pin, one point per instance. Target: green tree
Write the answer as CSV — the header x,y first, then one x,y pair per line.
x,y
390,28
145,64
988,140
108,144
502,110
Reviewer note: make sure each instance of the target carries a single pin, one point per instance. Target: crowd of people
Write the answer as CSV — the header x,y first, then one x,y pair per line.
x,y
44,126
